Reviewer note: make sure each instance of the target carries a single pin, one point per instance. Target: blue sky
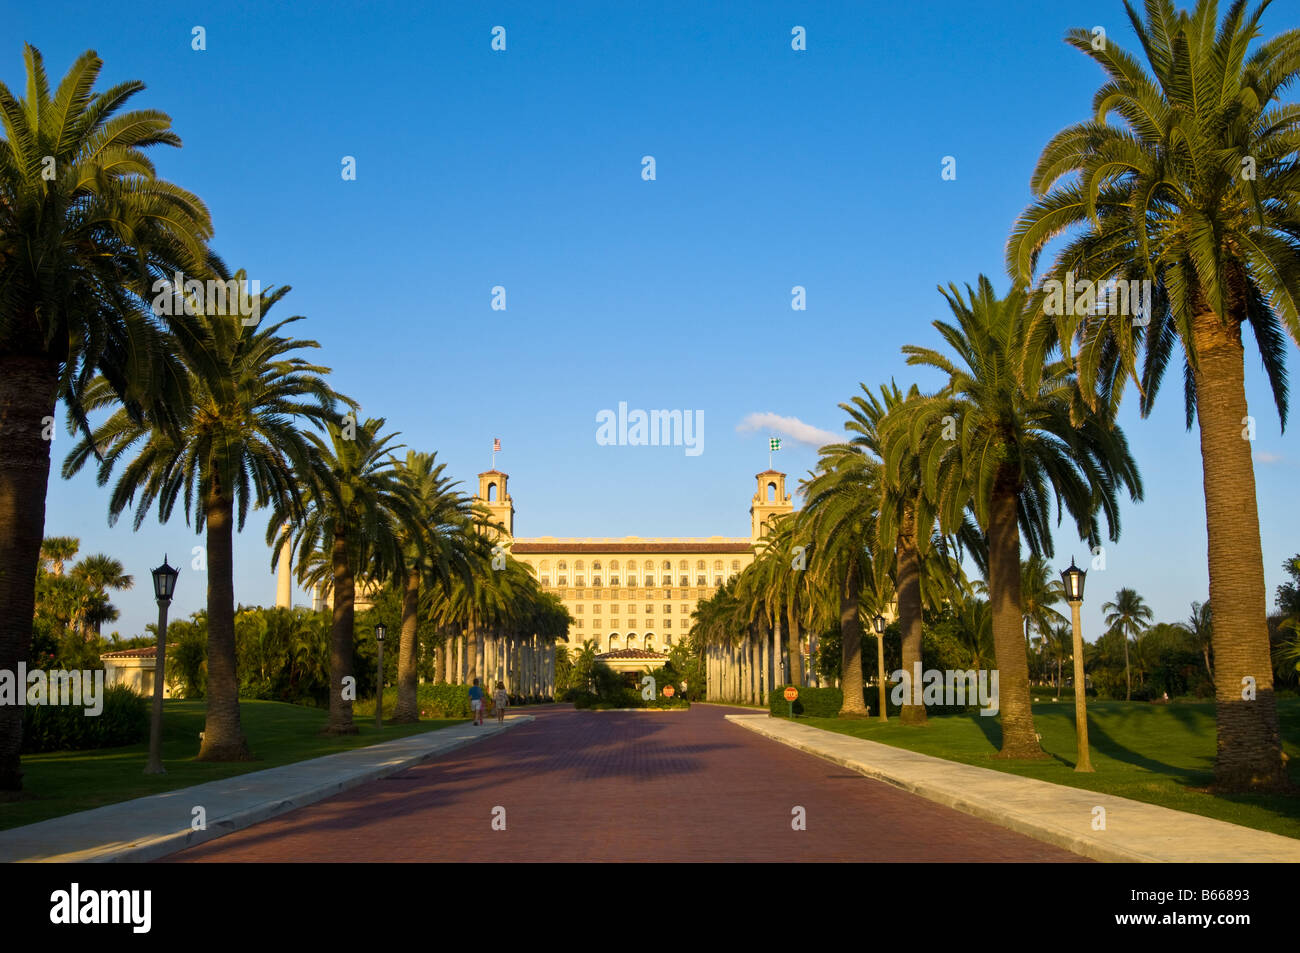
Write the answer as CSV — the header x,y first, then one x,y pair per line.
x,y
522,168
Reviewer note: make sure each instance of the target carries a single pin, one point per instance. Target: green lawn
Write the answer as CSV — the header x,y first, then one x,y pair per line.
x,y
62,782
1161,754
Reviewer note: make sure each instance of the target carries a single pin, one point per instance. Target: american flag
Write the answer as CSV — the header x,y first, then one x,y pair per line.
x,y
496,444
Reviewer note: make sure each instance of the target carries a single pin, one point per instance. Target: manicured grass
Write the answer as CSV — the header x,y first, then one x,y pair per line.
x,y
1160,754
62,782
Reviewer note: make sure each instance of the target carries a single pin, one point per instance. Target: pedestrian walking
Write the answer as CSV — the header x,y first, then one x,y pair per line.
x,y
500,699
476,702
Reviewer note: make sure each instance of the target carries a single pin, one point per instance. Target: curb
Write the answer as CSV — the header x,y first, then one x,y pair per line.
x,y
152,848
1039,829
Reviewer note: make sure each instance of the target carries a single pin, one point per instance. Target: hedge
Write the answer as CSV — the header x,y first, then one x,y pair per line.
x,y
123,721
812,702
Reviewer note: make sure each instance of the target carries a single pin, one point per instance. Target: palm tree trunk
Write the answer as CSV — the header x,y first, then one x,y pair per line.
x,y
408,706
1249,742
27,388
471,651
796,656
1128,678
753,685
854,703
341,638
1019,739
223,736
909,610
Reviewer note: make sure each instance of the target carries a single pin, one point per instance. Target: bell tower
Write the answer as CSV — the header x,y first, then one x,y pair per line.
x,y
492,494
770,500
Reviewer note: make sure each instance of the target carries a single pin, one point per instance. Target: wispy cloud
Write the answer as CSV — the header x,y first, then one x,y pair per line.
x,y
791,427
1263,456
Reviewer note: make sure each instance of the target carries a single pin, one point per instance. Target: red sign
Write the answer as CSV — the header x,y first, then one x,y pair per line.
x,y
791,693
668,691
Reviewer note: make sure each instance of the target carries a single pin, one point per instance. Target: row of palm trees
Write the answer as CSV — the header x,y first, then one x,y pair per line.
x,y
1186,177
205,408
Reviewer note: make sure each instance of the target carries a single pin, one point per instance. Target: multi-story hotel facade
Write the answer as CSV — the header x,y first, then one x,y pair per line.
x,y
634,596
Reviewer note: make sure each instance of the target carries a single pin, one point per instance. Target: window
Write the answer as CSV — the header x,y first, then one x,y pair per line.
x,y
631,638
613,621
649,643
683,565
685,581
595,610
613,565
699,565
668,593
579,580
649,610
668,640
546,580
649,580
580,613
613,580
735,565
667,567
580,626
595,581
613,643
563,580
631,622
668,624
717,567
613,608
701,581
668,608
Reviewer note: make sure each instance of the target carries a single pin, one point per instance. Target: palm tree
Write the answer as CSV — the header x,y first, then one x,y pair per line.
x,y
1128,615
435,547
78,252
1060,643
355,502
1192,189
238,444
101,573
1040,589
57,550
1200,626
994,446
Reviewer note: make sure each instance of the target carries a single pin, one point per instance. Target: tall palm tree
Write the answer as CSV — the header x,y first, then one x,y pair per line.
x,y
238,444
1191,187
102,573
435,548
354,503
85,227
1127,615
992,445
1040,589
1200,626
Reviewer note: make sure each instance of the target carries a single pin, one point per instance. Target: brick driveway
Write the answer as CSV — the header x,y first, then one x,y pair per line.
x,y
625,786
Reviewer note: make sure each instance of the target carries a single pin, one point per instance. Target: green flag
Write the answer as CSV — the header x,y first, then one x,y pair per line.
x,y
774,443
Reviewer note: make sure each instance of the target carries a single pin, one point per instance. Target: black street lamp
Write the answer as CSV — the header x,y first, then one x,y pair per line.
x,y
164,586
380,631
1072,580
879,623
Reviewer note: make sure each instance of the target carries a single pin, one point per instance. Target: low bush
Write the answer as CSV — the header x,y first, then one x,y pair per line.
x,y
124,720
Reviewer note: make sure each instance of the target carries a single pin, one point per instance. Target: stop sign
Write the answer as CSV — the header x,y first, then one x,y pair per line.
x,y
791,693
668,691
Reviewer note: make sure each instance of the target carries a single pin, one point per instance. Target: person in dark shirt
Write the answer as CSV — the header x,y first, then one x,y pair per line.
x,y
476,702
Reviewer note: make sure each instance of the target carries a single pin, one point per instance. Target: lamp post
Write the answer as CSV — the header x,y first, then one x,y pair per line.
x,y
380,631
879,623
1072,579
164,585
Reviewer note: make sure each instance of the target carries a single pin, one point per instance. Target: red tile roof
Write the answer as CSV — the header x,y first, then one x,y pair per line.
x,y
631,654
616,548
149,651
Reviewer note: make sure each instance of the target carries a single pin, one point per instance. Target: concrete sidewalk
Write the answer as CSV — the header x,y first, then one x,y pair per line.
x,y
150,827
1053,813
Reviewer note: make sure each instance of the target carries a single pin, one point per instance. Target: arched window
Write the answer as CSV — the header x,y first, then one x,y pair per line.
x,y
613,564
492,492
771,492
613,642
579,566
649,642
631,640
648,565
667,566
562,566
631,574
683,565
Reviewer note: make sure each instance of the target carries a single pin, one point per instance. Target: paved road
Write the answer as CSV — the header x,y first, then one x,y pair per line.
x,y
625,786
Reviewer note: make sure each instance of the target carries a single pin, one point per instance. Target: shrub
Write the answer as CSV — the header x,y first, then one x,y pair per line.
x,y
435,700
123,721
